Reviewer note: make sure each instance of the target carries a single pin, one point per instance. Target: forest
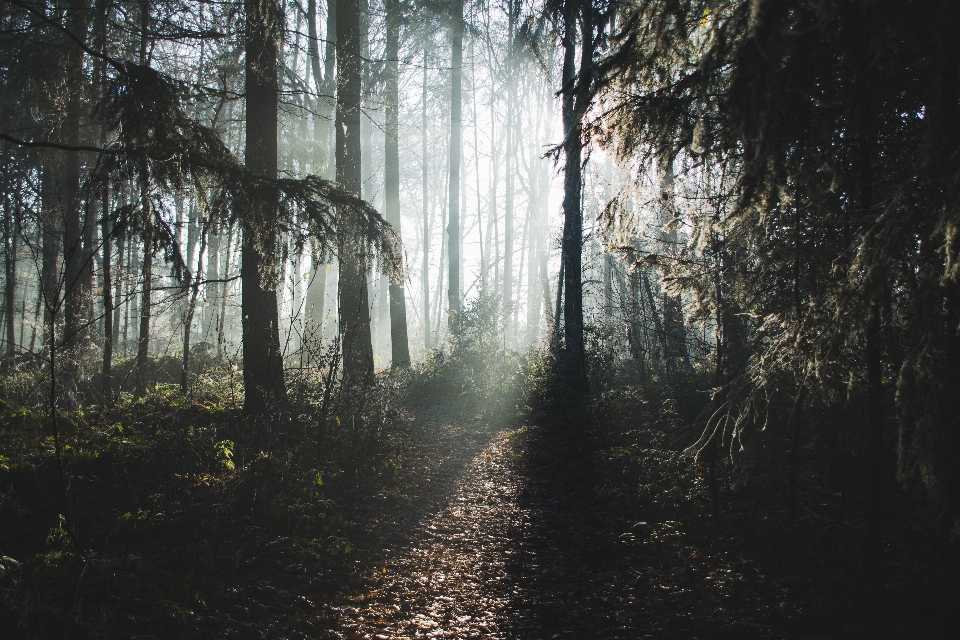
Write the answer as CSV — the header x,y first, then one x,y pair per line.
x,y
473,318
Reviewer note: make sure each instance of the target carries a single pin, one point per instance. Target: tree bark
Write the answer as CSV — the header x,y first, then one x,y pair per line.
x,y
212,289
222,317
10,233
313,313
573,95
143,340
74,262
108,311
508,213
263,382
456,99
400,348
424,160
353,295
325,87
327,90
191,309
118,279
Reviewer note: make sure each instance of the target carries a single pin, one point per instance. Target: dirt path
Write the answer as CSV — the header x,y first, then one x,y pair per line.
x,y
444,543
474,549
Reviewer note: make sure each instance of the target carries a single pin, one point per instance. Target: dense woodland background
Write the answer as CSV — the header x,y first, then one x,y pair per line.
x,y
703,253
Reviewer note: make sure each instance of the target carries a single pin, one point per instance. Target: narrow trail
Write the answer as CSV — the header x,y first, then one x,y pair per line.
x,y
471,551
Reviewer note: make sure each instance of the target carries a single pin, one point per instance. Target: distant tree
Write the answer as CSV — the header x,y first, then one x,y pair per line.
x,y
398,301
456,134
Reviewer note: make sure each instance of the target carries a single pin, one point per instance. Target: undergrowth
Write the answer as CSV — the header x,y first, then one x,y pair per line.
x,y
176,514
626,454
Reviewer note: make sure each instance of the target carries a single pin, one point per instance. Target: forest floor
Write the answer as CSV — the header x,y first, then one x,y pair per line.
x,y
477,526
514,533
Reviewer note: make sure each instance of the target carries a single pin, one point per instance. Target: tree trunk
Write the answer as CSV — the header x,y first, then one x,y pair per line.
x,y
263,382
10,234
353,296
314,305
192,230
453,231
508,213
212,289
327,90
76,23
143,340
573,351
476,168
130,306
400,356
191,308
222,317
426,209
118,280
493,235
323,81
673,321
440,272
108,311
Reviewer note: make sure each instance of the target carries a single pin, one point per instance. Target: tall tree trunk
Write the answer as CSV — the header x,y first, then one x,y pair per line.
x,y
143,340
673,322
118,280
222,317
297,306
424,161
192,307
104,10
38,308
493,235
52,241
323,81
657,323
353,295
456,98
476,167
438,309
108,306
400,356
10,234
545,210
376,289
193,227
539,179
212,288
508,212
76,23
607,275
314,306
130,306
573,349
327,90
263,382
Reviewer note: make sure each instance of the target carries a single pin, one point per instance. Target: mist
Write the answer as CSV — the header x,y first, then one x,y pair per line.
x,y
458,318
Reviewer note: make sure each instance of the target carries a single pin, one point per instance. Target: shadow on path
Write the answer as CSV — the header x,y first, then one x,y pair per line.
x,y
498,552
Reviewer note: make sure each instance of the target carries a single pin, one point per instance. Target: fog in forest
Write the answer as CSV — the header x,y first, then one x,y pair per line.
x,y
474,318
